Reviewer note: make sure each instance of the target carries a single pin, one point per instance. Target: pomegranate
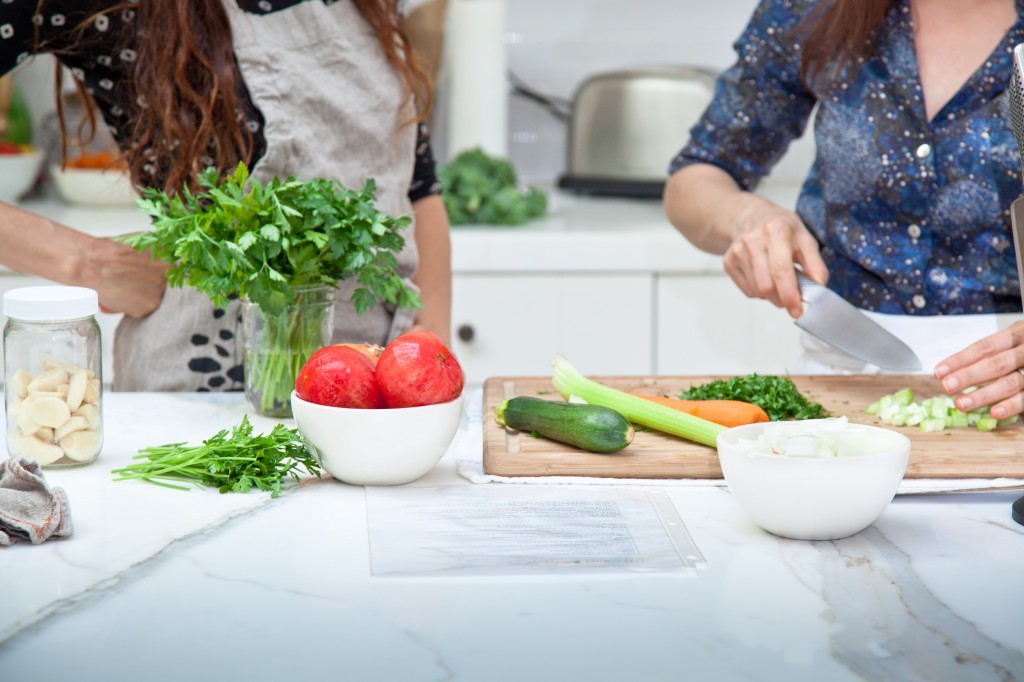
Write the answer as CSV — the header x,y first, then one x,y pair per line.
x,y
339,376
418,369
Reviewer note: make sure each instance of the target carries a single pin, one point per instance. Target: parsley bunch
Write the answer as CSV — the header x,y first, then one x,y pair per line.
x,y
777,396
233,463
262,241
269,244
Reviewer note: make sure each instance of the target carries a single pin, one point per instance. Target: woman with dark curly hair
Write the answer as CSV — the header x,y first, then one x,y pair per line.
x,y
305,88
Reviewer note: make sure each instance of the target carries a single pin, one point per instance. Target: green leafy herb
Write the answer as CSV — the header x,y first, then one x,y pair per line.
x,y
263,241
482,189
232,463
267,242
777,396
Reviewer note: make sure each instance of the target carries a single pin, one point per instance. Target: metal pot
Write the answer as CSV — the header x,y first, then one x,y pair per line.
x,y
626,126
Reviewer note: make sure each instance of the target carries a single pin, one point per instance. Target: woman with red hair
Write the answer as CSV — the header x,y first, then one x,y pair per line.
x,y
305,88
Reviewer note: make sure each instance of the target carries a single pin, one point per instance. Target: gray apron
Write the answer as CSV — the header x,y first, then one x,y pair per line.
x,y
331,103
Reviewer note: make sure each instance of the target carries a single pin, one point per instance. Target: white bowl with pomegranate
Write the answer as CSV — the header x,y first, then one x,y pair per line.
x,y
380,416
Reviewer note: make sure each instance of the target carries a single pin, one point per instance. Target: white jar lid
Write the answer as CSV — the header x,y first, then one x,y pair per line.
x,y
49,303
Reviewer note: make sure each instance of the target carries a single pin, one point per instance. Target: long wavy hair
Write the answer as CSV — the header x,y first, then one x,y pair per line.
x,y
186,76
836,34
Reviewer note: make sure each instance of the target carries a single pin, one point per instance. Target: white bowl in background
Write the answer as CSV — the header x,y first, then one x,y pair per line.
x,y
387,446
94,186
815,498
18,173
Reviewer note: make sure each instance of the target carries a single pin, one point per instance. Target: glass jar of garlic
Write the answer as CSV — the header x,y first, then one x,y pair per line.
x,y
52,375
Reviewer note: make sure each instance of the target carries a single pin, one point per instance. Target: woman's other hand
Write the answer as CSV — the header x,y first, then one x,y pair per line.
x,y
996,365
127,281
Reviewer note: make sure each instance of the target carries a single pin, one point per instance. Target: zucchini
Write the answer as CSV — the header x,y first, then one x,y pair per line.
x,y
589,427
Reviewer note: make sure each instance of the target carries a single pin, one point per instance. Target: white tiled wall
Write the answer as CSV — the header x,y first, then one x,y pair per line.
x,y
554,45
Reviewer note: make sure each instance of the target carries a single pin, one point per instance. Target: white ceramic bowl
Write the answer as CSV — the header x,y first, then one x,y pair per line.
x,y
94,187
18,172
811,498
378,447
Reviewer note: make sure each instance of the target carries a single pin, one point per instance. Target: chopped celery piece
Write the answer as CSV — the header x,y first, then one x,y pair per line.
x,y
903,397
568,381
987,423
932,414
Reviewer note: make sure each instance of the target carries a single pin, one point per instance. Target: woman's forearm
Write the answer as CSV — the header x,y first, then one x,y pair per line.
x,y
703,202
32,244
127,281
434,274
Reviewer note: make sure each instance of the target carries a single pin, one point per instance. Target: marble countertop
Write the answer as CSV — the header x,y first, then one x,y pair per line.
x,y
159,584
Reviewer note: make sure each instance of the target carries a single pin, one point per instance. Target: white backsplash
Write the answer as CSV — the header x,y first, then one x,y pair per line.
x,y
554,46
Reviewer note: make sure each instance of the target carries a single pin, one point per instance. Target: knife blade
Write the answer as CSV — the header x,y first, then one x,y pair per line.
x,y
1017,228
1016,98
839,323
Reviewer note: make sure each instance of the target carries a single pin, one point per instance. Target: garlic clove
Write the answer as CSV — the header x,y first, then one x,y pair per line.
x,y
77,386
70,426
54,393
26,424
12,409
48,411
92,392
91,415
49,380
81,445
20,381
44,453
50,363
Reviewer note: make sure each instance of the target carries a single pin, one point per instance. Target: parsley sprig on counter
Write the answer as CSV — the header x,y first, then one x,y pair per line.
x,y
777,396
263,241
234,463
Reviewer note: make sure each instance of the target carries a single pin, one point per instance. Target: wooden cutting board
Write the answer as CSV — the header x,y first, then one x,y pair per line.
x,y
952,453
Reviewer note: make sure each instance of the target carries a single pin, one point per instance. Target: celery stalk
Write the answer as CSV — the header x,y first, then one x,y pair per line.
x,y
568,381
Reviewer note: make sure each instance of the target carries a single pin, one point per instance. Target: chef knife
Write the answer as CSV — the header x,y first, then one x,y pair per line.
x,y
1017,207
1017,121
834,320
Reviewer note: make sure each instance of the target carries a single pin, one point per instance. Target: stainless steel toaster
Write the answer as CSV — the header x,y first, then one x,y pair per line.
x,y
626,126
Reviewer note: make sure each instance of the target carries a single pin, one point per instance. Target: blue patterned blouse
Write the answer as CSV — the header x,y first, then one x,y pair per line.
x,y
912,215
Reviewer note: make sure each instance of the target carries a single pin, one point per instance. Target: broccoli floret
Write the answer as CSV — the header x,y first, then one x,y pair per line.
x,y
479,188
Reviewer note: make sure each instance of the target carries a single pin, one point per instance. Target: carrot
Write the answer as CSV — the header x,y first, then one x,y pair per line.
x,y
724,412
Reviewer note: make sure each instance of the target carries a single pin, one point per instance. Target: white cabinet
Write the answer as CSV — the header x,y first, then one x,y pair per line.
x,y
512,325
707,326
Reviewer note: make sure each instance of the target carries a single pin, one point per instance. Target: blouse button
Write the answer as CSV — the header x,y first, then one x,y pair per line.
x,y
924,151
918,301
914,231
